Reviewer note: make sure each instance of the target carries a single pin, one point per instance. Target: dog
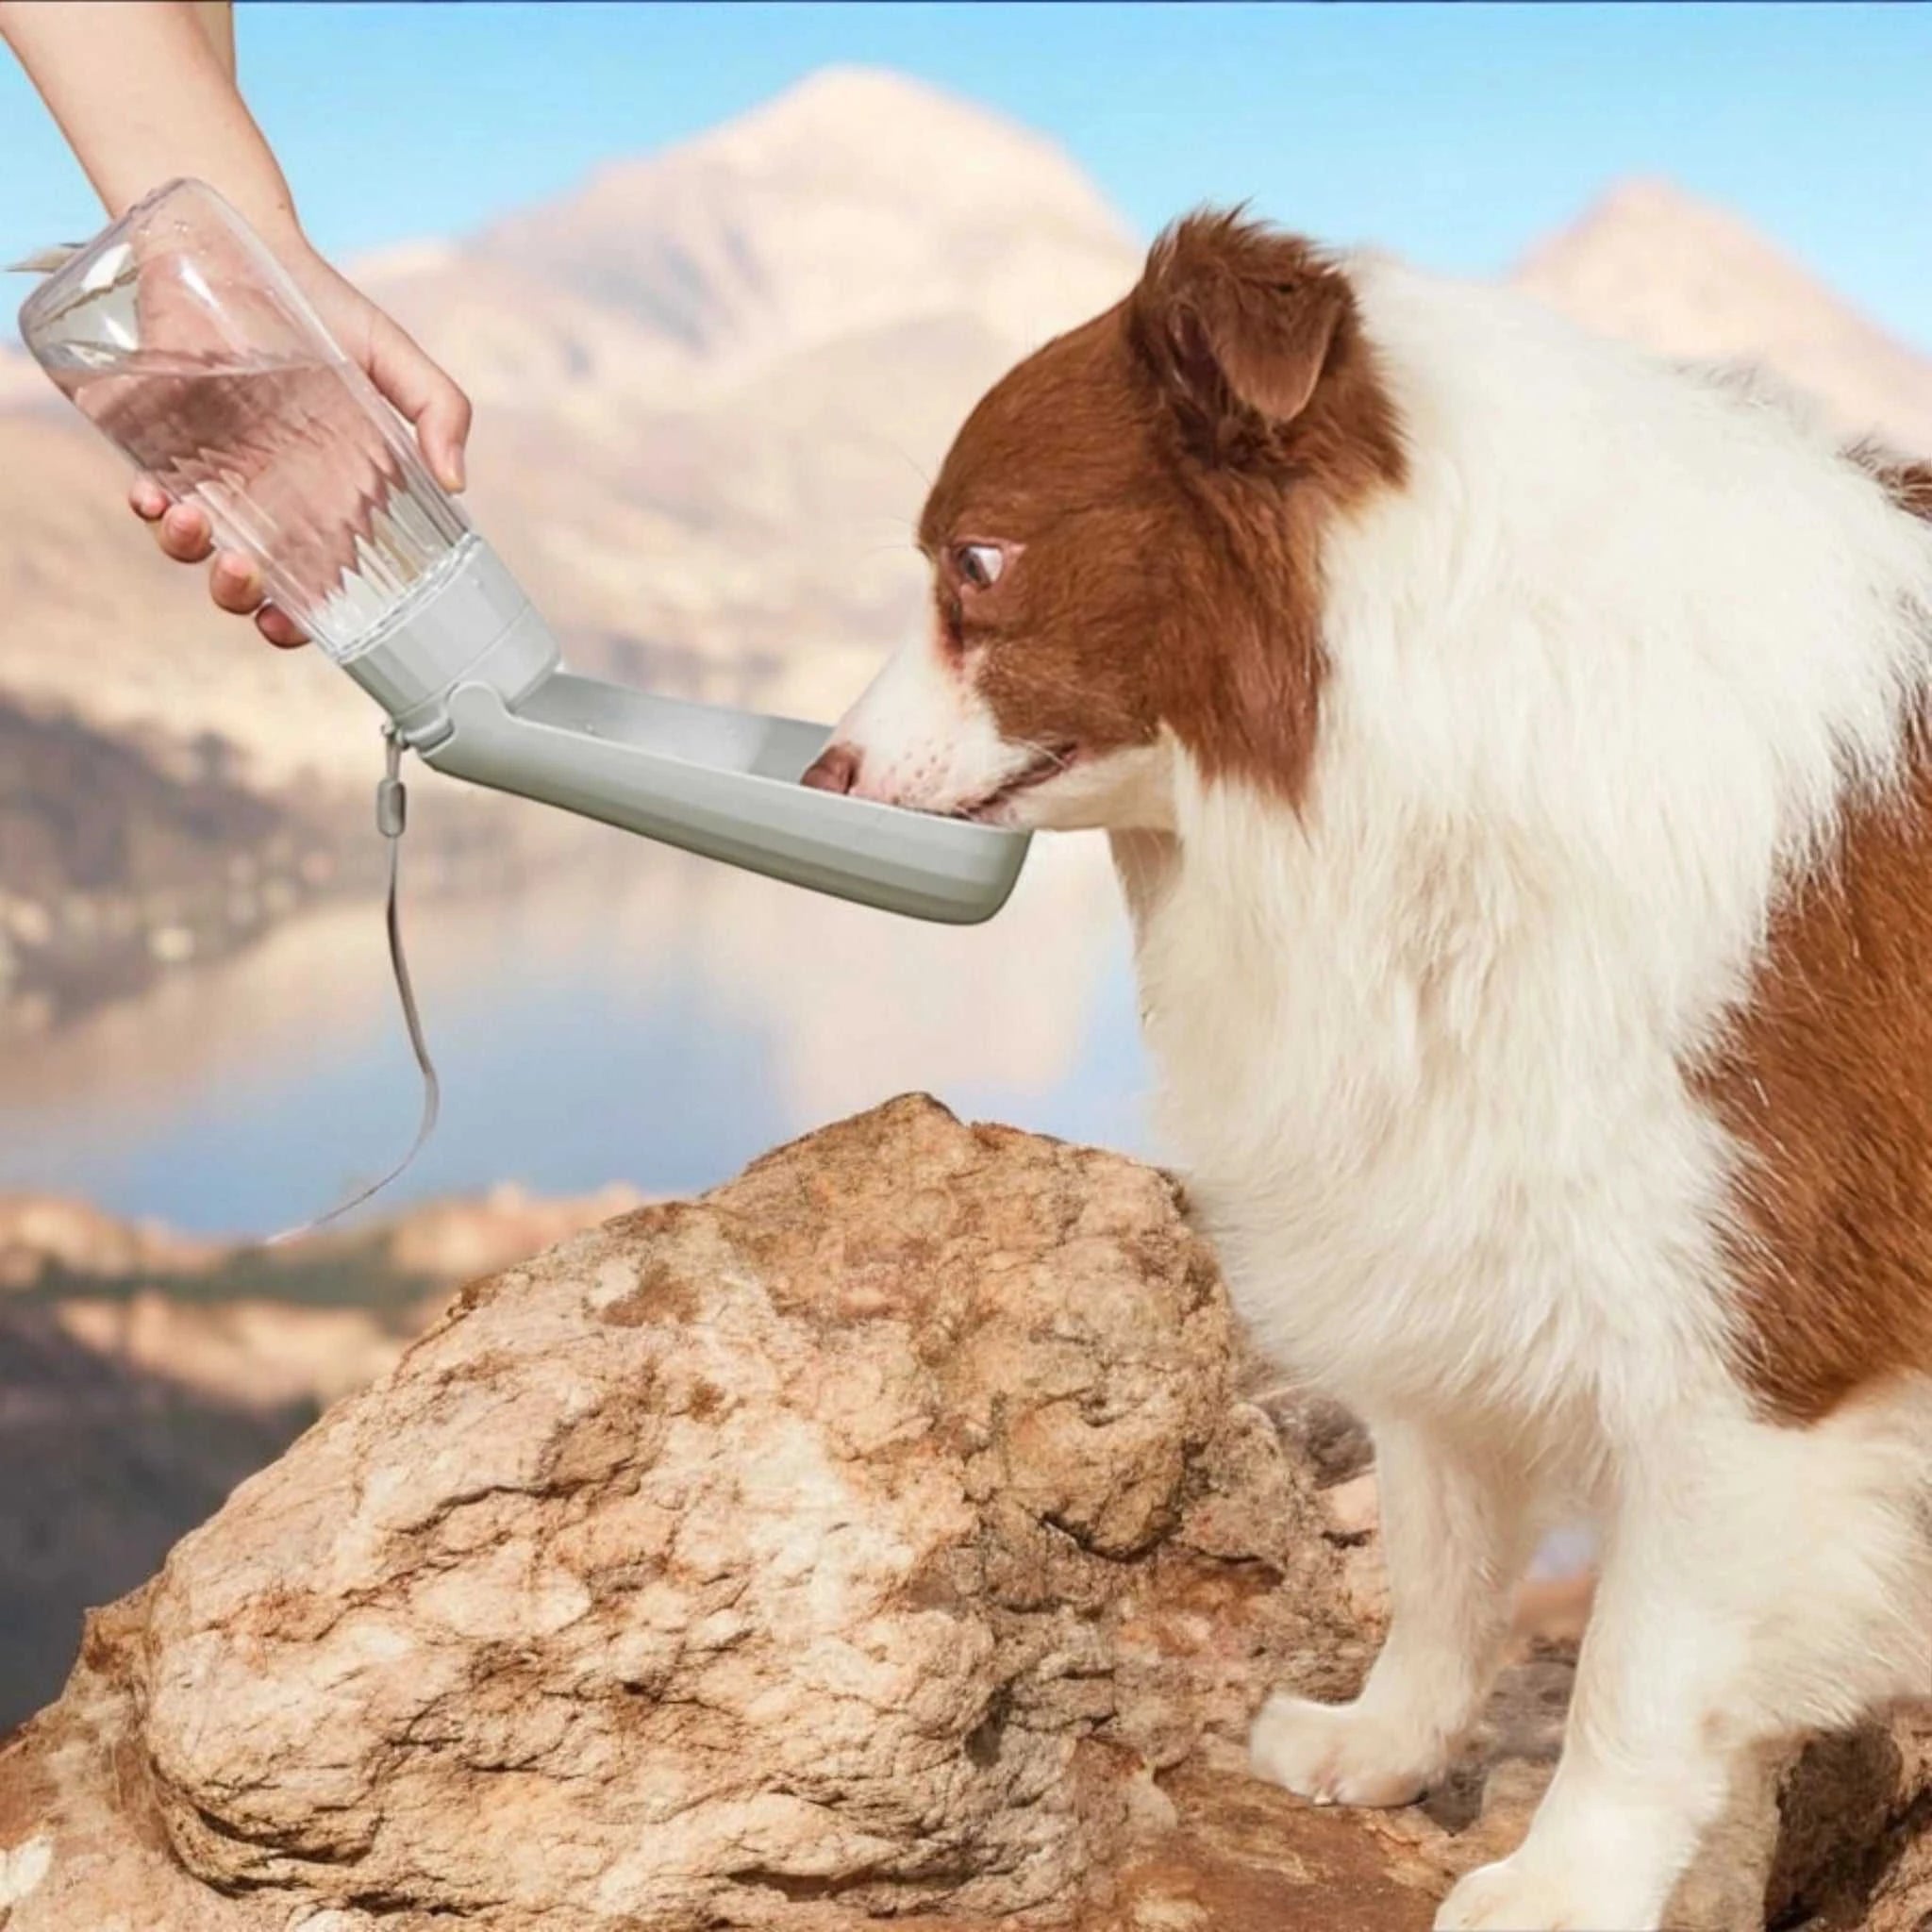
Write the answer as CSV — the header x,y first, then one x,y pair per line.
x,y
1513,749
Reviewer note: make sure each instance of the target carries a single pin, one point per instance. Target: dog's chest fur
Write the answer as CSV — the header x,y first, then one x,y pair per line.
x,y
1446,1165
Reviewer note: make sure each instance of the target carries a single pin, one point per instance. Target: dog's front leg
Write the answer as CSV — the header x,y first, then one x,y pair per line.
x,y
1645,1760
1459,1528
1755,1581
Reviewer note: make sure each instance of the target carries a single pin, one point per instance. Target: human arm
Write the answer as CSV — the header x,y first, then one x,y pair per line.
x,y
144,91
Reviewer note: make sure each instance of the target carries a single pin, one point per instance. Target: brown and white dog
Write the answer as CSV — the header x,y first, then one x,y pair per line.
x,y
1514,752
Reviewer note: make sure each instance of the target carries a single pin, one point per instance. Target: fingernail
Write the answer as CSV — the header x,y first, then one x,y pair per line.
x,y
456,470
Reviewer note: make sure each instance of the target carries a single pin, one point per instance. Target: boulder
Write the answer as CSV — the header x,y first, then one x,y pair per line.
x,y
887,1536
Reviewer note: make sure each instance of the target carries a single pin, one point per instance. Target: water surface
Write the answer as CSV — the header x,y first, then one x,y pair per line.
x,y
641,1017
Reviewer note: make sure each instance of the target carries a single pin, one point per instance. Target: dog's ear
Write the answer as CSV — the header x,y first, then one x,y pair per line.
x,y
1239,323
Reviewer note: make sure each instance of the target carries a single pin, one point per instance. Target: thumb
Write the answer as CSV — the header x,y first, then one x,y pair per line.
x,y
426,396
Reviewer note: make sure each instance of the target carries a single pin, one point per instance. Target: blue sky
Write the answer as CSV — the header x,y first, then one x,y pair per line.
x,y
1454,134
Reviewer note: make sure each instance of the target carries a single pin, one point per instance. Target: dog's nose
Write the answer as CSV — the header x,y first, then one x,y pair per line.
x,y
835,769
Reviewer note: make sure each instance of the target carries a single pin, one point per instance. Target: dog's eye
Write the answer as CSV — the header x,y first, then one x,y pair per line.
x,y
981,564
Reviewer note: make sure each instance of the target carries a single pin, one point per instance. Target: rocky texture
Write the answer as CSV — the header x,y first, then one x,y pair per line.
x,y
882,1537
770,1549
862,1539
144,1372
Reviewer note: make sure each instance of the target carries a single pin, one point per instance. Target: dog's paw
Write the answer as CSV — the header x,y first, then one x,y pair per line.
x,y
1339,1754
1516,1896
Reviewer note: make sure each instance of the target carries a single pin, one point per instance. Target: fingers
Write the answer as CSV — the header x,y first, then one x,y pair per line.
x,y
426,396
181,530
279,628
235,584
183,533
442,430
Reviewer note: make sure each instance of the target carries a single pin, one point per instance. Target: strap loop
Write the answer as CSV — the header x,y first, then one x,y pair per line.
x,y
391,815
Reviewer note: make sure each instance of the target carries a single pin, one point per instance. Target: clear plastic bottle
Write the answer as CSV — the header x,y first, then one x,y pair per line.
x,y
179,336
184,341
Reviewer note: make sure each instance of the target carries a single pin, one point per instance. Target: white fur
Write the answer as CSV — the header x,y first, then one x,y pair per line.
x,y
1604,677
926,737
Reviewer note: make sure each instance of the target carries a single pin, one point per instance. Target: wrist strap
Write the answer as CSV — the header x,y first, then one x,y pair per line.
x,y
391,815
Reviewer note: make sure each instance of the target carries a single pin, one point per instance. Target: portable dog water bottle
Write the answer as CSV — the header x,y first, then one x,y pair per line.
x,y
179,337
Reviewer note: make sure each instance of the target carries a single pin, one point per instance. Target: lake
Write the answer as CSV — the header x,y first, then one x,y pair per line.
x,y
641,1017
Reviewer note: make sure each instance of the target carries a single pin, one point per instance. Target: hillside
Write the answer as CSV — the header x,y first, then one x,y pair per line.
x,y
115,856
1663,269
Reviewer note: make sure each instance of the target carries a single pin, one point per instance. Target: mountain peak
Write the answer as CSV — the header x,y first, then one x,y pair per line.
x,y
892,117
1659,266
870,132
857,200
1651,199
1650,219
838,99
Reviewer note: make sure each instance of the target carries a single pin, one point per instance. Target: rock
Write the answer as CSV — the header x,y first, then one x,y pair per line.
x,y
106,1464
864,1538
144,1372
883,1536
1315,1428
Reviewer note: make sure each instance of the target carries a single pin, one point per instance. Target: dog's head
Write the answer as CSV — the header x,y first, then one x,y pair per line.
x,y
1126,550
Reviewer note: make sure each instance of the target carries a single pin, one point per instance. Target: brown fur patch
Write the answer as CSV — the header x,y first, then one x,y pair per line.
x,y
1826,1082
1162,479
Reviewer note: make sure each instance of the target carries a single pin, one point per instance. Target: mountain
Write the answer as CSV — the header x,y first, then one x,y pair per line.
x,y
852,206
1663,269
116,856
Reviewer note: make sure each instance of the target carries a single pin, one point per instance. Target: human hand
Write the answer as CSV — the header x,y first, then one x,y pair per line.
x,y
402,372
